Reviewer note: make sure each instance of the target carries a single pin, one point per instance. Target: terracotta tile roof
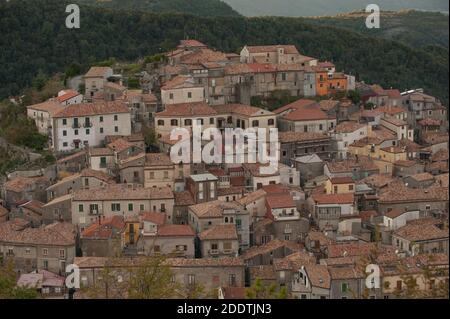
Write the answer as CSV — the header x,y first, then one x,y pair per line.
x,y
57,234
363,163
100,151
394,213
87,172
105,228
326,199
378,180
89,109
123,192
325,64
266,248
294,261
183,199
203,55
350,250
176,231
34,205
399,193
263,272
59,199
429,122
187,110
180,81
299,104
120,145
289,49
130,95
50,106
441,155
213,208
275,201
320,237
237,180
290,137
231,191
391,110
97,71
153,217
349,272
410,145
367,215
393,94
191,43
241,109
100,262
254,169
67,95
252,197
421,232
442,180
3,211
421,177
342,180
424,221
217,232
432,138
307,113
395,121
348,127
20,184
327,105
157,159
318,275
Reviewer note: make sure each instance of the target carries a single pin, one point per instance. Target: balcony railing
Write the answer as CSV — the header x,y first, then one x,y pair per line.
x,y
228,251
213,251
76,125
89,124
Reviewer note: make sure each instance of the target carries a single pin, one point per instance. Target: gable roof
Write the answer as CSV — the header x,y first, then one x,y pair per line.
x,y
187,110
226,231
89,109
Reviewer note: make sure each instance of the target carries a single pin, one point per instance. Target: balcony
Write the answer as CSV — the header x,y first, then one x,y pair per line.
x,y
76,125
87,124
228,251
213,251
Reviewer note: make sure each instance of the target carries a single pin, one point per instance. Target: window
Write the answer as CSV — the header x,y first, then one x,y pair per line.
x,y
75,132
65,144
283,76
200,191
45,264
116,129
188,122
166,174
87,131
189,95
45,252
101,119
212,189
62,253
101,130
399,285
115,207
64,133
350,187
130,207
191,279
344,287
320,127
163,208
174,122
270,122
80,208
171,96
27,251
116,117
255,123
64,121
200,121
141,207
211,120
232,280
305,128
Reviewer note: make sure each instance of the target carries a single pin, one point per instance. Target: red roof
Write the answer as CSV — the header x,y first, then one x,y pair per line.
x,y
175,230
153,217
324,199
342,180
280,201
67,96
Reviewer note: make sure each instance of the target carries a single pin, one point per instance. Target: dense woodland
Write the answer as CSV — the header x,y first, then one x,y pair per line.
x,y
36,42
195,7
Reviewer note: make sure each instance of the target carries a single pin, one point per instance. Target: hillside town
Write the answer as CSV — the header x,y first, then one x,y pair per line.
x,y
362,179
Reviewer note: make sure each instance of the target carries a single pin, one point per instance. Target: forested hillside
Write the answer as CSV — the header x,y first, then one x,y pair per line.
x,y
36,42
414,28
196,7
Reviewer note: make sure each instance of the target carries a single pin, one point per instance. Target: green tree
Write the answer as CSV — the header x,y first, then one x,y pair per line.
x,y
8,287
259,290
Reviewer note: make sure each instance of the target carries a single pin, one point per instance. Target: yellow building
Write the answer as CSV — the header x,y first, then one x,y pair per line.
x,y
340,185
132,230
392,154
